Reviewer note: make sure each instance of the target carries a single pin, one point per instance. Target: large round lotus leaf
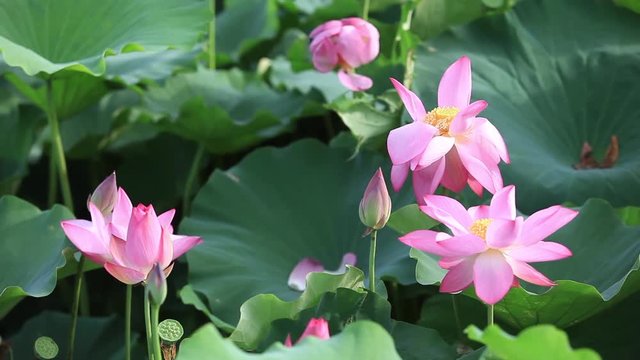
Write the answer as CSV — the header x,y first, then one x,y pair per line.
x,y
225,110
260,218
360,340
30,250
538,342
50,35
556,74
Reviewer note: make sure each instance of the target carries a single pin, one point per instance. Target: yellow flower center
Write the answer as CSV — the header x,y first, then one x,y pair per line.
x,y
479,227
441,118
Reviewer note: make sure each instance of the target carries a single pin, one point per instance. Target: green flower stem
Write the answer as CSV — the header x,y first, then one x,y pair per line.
x,y
57,148
74,309
372,262
365,9
127,324
212,35
456,315
197,159
53,179
191,179
147,323
155,337
489,315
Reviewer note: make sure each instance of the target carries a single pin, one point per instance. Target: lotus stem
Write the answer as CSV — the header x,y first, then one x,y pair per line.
x,y
365,9
57,148
372,261
155,338
489,315
456,315
74,309
191,179
53,179
147,323
127,323
212,35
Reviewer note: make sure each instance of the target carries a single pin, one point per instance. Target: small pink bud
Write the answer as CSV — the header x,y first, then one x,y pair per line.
x,y
157,285
375,206
105,195
317,327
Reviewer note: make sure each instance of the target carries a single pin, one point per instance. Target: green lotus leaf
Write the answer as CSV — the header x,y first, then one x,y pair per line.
x,y
48,36
99,338
31,248
259,19
257,314
134,67
612,332
17,134
359,340
304,81
537,342
556,74
276,207
225,110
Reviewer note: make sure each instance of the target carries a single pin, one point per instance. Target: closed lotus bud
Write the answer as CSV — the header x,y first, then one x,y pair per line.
x,y
157,285
375,206
105,195
317,327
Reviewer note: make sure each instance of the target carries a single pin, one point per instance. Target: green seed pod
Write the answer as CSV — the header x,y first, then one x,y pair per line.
x,y
170,331
45,348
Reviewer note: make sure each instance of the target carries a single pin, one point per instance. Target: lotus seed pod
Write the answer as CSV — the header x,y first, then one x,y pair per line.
x,y
170,331
45,348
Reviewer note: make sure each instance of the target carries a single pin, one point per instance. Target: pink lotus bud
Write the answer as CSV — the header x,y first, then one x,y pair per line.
x,y
105,195
347,43
317,327
375,206
157,285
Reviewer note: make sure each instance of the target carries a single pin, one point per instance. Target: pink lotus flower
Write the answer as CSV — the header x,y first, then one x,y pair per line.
x,y
128,241
375,206
298,277
448,145
347,43
317,327
491,245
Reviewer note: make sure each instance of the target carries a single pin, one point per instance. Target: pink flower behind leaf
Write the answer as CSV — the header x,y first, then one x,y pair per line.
x,y
127,241
448,145
347,43
317,327
298,277
491,246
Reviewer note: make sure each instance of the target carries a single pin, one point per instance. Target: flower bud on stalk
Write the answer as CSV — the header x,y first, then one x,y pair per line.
x,y
375,206
157,285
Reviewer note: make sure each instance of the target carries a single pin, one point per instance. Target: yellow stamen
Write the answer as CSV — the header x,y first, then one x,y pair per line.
x,y
479,227
441,118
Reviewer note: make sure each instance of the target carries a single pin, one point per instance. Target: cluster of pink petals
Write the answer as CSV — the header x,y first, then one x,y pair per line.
x,y
317,327
128,241
298,277
347,43
448,145
491,246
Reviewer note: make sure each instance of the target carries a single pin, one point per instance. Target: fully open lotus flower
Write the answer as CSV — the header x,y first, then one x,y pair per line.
x,y
298,277
317,327
375,206
448,145
491,245
129,241
347,43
